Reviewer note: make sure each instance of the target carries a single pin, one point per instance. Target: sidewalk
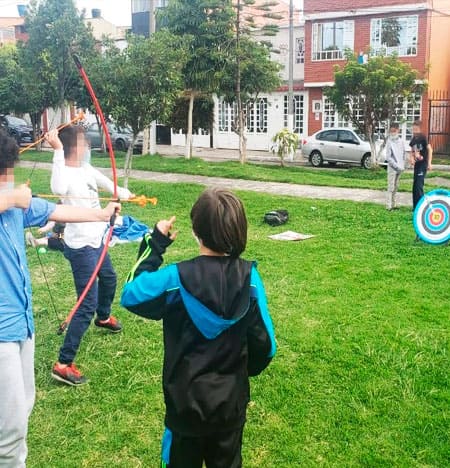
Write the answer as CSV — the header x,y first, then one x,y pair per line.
x,y
274,188
263,157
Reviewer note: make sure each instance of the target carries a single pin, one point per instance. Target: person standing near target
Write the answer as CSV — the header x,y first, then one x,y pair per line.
x,y
395,155
421,157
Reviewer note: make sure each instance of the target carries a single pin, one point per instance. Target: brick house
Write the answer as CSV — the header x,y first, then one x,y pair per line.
x,y
12,30
417,31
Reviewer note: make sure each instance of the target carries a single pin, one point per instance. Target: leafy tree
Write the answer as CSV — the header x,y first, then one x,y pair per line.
x,y
141,83
367,95
242,60
21,88
253,73
10,82
202,115
208,26
56,29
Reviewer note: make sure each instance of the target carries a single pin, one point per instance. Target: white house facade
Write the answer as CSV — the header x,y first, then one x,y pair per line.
x,y
269,113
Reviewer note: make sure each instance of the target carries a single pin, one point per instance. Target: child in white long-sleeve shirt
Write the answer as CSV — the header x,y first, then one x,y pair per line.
x,y
77,182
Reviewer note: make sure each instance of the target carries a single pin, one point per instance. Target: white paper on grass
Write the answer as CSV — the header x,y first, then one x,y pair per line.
x,y
290,236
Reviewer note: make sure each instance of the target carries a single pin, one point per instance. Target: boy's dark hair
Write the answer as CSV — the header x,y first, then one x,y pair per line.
x,y
69,138
394,125
218,219
9,152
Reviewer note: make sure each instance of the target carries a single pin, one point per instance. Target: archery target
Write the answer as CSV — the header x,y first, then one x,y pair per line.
x,y
432,217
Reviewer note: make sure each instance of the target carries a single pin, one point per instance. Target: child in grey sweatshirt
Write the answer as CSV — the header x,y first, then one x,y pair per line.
x,y
395,155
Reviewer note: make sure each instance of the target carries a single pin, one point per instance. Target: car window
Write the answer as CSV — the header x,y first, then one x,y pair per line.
x,y
345,136
15,120
327,135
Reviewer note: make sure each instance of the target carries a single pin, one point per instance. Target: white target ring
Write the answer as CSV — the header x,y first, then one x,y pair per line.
x,y
432,217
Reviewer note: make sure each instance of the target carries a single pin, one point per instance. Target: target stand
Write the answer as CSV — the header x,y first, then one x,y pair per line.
x,y
432,217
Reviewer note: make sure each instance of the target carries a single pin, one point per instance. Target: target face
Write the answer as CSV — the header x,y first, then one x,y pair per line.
x,y
432,217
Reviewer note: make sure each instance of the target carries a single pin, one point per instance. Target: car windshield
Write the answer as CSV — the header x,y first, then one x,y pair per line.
x,y
362,136
15,120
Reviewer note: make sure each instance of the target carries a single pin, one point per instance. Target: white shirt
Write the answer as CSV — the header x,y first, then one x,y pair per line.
x,y
81,184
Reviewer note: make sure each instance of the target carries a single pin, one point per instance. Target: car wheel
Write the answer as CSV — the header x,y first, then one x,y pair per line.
x,y
120,145
316,159
366,161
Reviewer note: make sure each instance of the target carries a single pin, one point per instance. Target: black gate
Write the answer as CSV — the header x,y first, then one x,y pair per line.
x,y
439,122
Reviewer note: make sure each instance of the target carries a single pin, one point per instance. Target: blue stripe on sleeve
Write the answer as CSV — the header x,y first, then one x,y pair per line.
x,y
149,285
166,446
259,293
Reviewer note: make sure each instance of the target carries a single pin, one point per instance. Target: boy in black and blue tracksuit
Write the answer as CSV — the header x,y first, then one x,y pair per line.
x,y
217,331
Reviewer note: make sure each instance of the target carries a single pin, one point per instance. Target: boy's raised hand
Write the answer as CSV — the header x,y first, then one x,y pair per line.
x,y
53,139
165,226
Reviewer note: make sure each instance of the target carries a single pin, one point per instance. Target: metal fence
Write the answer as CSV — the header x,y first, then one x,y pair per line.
x,y
439,121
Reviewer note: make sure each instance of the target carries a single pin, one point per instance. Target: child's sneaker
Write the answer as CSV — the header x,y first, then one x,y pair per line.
x,y
69,374
111,324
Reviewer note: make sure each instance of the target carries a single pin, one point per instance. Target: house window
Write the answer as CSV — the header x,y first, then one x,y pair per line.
x,y
331,39
223,116
299,50
330,117
299,103
396,35
257,116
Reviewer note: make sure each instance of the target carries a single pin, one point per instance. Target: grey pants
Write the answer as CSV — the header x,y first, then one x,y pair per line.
x,y
16,400
393,180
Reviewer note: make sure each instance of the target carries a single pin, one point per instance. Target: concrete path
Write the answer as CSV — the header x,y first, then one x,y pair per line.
x,y
275,188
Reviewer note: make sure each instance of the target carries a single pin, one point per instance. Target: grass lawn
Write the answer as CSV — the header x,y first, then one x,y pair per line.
x,y
361,377
353,177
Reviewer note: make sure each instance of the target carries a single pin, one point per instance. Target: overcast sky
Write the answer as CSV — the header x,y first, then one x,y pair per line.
x,y
116,11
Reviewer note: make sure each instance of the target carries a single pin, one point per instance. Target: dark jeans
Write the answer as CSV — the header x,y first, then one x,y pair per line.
x,y
217,450
99,298
420,171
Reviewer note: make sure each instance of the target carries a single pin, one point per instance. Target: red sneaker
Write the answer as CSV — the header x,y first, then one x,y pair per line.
x,y
69,374
111,324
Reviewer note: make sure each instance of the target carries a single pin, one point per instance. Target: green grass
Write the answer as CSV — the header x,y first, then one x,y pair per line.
x,y
361,377
353,177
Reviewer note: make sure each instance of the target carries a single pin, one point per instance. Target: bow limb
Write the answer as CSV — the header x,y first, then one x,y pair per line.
x,y
99,111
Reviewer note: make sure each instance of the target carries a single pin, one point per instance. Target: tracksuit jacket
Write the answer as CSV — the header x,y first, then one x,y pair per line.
x,y
217,333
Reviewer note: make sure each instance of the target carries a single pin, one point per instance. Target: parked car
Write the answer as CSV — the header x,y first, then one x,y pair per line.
x,y
120,137
338,145
17,128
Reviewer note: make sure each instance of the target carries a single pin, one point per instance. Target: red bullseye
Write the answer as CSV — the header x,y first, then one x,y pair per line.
x,y
436,216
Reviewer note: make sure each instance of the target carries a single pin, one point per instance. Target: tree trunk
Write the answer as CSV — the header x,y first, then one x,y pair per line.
x,y
188,149
242,139
128,161
36,123
63,111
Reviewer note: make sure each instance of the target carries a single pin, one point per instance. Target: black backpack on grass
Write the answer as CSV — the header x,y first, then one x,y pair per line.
x,y
276,217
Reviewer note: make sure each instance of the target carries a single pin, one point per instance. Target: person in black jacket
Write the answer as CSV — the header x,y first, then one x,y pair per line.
x,y
421,158
217,331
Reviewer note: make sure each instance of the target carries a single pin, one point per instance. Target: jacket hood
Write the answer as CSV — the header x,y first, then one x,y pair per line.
x,y
221,284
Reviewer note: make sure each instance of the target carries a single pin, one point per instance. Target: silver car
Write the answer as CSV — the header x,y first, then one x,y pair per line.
x,y
337,145
120,137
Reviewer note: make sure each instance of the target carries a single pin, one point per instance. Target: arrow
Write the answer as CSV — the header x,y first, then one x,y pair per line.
x,y
140,200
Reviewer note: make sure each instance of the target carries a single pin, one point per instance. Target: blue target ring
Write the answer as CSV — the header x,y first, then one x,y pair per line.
x,y
432,217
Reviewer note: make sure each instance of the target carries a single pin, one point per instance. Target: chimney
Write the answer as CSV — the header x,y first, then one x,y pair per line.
x,y
96,13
